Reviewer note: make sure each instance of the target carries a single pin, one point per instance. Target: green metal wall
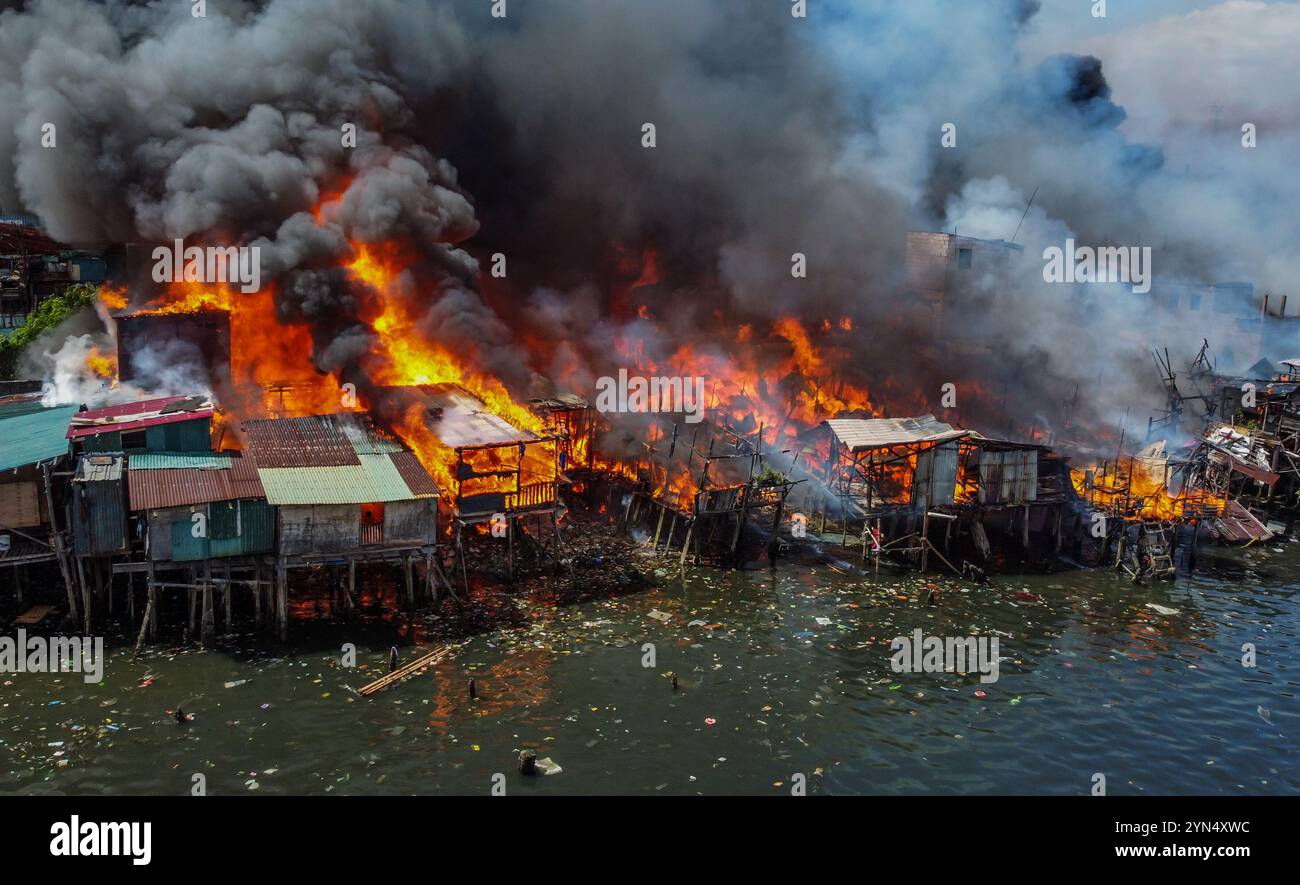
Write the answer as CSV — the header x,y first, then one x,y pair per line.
x,y
182,436
235,528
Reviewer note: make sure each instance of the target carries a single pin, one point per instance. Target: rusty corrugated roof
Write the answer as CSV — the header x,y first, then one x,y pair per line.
x,y
313,441
153,488
417,479
334,459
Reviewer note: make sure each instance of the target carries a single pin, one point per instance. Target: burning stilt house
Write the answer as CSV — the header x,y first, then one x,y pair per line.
x,y
572,419
493,471
710,486
897,476
345,493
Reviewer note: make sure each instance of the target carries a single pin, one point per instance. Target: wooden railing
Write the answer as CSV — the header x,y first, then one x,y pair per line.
x,y
534,495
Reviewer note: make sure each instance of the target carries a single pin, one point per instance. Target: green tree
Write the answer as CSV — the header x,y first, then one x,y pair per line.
x,y
52,312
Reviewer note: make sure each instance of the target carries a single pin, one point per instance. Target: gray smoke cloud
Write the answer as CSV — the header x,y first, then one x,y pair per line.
x,y
521,136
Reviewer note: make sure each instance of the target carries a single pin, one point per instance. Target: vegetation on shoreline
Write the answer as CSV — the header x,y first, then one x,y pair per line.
x,y
50,314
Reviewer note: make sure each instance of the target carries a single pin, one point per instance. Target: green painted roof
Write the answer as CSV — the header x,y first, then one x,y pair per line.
x,y
374,481
179,461
34,436
21,407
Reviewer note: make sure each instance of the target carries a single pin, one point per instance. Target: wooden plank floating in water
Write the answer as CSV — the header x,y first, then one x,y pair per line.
x,y
33,615
403,672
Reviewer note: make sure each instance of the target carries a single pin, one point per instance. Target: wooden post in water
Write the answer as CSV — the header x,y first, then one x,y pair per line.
x,y
86,600
151,606
686,545
410,592
209,626
282,599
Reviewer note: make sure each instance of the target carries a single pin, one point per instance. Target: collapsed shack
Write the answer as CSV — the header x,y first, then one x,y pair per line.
x,y
574,422
712,487
1253,450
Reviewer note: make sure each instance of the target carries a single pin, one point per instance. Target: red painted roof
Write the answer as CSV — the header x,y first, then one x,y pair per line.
x,y
145,413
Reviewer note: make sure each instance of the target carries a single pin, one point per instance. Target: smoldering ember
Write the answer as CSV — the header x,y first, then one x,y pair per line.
x,y
773,375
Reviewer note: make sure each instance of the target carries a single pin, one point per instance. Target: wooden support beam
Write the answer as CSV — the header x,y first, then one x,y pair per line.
x,y
282,599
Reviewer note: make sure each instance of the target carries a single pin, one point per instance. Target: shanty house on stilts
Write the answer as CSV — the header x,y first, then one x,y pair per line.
x,y
100,440
33,449
899,475
206,528
344,493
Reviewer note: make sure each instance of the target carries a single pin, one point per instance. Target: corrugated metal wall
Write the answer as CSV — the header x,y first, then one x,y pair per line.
x,y
99,518
1008,477
319,529
936,476
410,521
241,528
183,436
234,528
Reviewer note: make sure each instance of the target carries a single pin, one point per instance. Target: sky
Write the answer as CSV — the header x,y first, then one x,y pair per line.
x,y
1178,63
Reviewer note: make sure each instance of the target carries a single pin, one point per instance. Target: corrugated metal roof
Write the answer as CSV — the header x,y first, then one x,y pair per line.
x,y
375,480
417,478
313,441
155,488
172,461
34,436
145,413
860,434
459,418
20,404
334,459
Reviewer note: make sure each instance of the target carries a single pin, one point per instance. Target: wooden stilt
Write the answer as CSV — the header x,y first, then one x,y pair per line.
x,y
510,547
144,622
257,597
208,626
151,606
460,557
282,600
925,538
86,600
350,590
410,592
